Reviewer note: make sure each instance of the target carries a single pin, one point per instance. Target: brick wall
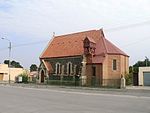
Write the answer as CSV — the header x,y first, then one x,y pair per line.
x,y
122,66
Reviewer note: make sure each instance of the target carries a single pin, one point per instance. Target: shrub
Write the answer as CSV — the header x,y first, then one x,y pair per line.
x,y
128,78
24,77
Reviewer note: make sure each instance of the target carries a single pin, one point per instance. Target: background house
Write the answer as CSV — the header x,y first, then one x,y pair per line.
x,y
86,54
4,72
32,76
144,76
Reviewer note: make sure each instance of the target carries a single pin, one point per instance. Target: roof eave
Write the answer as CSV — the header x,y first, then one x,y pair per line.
x,y
60,56
118,54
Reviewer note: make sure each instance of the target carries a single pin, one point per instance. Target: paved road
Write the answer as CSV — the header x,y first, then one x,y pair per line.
x,y
59,100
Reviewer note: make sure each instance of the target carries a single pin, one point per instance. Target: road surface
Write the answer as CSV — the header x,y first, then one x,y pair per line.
x,y
59,100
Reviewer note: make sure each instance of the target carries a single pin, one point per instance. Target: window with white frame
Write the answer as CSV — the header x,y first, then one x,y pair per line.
x,y
57,68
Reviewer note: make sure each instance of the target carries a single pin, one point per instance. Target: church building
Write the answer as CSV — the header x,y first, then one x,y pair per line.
x,y
85,54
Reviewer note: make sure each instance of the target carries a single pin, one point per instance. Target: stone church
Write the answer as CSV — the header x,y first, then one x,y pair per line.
x,y
85,54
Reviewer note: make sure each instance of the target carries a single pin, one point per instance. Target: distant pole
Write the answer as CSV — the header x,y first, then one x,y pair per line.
x,y
9,56
146,60
9,59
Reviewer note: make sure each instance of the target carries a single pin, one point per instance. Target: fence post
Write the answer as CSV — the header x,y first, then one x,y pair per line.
x,y
74,79
123,83
83,80
61,80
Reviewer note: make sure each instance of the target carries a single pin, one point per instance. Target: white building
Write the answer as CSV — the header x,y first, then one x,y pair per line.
x,y
144,76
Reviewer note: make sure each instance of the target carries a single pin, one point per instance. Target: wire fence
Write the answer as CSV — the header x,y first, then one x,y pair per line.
x,y
78,81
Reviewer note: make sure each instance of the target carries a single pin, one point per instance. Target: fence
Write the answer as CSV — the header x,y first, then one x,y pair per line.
x,y
77,81
64,80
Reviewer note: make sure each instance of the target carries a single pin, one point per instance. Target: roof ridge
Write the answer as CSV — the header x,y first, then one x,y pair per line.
x,y
116,48
47,45
75,33
103,39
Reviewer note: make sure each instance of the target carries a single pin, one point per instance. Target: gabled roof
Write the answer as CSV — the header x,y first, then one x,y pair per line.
x,y
72,45
91,40
112,49
47,65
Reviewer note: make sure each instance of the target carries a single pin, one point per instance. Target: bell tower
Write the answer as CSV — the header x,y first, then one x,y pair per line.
x,y
89,48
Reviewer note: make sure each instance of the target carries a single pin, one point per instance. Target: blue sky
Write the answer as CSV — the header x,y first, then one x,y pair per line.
x,y
28,21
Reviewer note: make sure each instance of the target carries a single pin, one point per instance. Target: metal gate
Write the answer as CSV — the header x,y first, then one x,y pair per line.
x,y
135,79
146,78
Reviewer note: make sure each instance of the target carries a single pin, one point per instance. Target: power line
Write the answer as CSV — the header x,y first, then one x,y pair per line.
x,y
136,42
25,44
28,44
128,26
3,48
110,29
39,42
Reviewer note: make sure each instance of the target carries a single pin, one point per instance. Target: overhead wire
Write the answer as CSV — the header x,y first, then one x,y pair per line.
x,y
136,42
128,26
108,30
31,43
25,44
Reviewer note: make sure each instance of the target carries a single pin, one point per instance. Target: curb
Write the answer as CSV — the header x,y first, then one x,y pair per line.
x,y
65,87
131,88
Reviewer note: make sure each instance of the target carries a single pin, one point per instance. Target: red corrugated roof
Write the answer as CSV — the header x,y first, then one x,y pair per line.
x,y
72,45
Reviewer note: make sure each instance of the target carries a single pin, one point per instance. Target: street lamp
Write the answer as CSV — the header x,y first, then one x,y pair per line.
x,y
9,55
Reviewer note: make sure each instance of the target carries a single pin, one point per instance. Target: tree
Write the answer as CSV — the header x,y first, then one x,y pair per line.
x,y
13,64
33,67
6,62
144,63
16,64
135,69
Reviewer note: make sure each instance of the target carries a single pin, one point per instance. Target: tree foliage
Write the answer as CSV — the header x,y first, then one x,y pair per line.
x,y
13,64
6,62
33,67
129,76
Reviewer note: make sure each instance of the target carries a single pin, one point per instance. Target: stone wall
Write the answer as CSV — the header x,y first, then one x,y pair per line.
x,y
75,62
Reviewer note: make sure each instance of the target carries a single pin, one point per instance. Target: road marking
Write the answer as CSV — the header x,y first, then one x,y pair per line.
x,y
79,93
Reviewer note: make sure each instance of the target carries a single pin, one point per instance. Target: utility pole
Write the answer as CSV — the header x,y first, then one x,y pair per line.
x,y
146,60
9,57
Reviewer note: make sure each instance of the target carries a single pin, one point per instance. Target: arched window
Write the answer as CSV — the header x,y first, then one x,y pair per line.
x,y
42,76
69,68
57,68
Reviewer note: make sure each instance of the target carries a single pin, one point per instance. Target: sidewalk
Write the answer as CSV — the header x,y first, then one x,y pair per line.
x,y
138,87
128,88
59,86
